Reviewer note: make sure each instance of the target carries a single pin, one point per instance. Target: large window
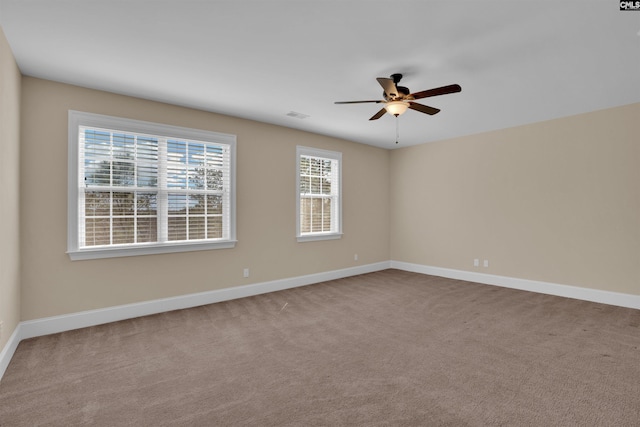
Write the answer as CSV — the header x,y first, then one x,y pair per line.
x,y
139,188
318,195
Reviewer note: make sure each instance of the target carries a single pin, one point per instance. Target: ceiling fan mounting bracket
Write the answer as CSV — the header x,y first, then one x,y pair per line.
x,y
396,77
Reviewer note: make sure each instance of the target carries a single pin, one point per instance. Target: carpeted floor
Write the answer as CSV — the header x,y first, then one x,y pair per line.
x,y
390,348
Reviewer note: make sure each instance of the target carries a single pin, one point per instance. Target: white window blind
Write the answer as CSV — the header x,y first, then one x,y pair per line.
x,y
148,188
318,194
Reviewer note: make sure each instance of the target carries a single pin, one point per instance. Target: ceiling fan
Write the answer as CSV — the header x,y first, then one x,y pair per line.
x,y
397,99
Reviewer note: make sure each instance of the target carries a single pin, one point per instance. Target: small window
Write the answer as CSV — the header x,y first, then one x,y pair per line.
x,y
319,194
138,188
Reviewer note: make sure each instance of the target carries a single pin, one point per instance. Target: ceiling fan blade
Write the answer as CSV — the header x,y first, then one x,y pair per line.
x,y
379,114
389,86
423,108
437,91
357,102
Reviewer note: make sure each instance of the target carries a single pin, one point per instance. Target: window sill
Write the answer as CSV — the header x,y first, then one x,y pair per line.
x,y
322,236
116,252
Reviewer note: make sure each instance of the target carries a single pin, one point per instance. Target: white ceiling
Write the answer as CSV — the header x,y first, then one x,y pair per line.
x,y
517,61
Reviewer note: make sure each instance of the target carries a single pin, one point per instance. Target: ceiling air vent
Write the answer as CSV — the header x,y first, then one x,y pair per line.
x,y
297,115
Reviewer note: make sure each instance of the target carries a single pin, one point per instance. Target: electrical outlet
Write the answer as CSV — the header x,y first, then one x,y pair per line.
x,y
476,262
355,257
486,263
245,272
1,325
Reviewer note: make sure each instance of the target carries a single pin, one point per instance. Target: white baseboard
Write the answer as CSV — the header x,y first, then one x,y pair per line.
x,y
575,292
67,322
10,347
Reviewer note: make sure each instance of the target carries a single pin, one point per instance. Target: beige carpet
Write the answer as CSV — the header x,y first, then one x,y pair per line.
x,y
390,348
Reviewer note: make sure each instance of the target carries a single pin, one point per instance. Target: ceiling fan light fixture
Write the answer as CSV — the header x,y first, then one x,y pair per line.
x,y
396,107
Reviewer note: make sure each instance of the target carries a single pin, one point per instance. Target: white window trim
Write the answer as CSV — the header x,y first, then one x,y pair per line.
x,y
77,119
317,152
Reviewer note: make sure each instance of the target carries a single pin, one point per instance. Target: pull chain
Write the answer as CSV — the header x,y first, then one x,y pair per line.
x,y
397,129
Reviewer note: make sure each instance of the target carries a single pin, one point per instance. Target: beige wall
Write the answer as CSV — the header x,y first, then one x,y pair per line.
x,y
53,285
557,201
9,191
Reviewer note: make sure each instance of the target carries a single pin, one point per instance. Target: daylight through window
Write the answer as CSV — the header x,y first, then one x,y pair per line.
x,y
319,192
171,189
